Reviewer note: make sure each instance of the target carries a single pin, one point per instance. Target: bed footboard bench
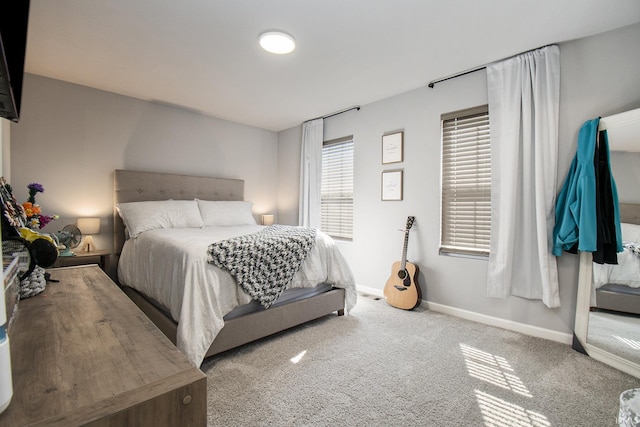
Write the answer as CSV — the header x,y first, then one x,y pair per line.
x,y
251,327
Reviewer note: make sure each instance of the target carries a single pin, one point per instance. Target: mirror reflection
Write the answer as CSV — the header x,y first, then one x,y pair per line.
x,y
614,316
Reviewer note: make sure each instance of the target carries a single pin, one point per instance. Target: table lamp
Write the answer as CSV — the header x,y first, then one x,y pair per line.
x,y
268,219
88,227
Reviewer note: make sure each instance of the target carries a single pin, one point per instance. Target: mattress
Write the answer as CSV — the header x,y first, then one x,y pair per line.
x,y
170,267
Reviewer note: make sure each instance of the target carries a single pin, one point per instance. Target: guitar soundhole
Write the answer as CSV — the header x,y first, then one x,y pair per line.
x,y
404,276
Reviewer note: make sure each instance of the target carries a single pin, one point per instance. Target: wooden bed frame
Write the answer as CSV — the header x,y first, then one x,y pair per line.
x,y
135,186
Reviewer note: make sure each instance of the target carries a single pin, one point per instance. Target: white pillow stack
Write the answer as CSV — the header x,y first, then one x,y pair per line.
x,y
226,213
144,216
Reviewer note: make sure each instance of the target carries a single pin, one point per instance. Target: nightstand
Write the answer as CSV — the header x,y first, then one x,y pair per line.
x,y
83,258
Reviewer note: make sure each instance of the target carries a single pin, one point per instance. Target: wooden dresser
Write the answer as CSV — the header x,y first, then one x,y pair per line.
x,y
83,354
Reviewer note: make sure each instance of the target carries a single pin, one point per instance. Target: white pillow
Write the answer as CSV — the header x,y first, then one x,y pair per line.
x,y
226,213
144,216
630,232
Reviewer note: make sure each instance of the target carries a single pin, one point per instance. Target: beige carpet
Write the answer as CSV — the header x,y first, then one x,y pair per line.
x,y
381,366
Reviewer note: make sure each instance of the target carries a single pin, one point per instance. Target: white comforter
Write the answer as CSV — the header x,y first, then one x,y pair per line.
x,y
626,272
170,266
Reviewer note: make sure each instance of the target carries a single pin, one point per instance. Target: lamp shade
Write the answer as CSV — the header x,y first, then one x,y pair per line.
x,y
268,219
89,225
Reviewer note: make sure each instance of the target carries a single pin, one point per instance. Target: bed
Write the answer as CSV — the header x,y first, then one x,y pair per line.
x,y
617,287
168,272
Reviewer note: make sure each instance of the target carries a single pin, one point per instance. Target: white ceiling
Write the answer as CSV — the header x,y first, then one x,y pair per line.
x,y
203,55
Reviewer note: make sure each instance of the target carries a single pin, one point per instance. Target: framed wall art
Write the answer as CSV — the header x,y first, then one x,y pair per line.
x,y
392,148
392,185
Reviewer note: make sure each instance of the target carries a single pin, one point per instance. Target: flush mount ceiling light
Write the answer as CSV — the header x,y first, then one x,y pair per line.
x,y
277,42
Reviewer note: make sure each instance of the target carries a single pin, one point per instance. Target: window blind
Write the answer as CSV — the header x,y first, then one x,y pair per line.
x,y
466,182
337,188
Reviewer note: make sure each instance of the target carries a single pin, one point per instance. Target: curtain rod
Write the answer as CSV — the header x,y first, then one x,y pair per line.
x,y
355,107
473,70
453,76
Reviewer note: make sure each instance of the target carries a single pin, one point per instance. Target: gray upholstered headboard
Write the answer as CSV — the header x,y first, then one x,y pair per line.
x,y
630,213
135,186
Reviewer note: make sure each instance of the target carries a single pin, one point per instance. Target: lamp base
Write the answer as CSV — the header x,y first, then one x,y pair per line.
x,y
88,245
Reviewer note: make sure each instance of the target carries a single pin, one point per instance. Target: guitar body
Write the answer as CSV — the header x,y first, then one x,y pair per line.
x,y
402,289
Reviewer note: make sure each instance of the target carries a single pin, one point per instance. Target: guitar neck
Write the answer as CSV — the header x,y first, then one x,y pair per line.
x,y
404,250
410,220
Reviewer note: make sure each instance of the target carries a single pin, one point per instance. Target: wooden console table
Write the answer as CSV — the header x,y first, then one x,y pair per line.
x,y
83,354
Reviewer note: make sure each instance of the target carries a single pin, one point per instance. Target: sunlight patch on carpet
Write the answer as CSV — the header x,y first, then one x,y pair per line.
x,y
298,357
497,412
492,369
496,370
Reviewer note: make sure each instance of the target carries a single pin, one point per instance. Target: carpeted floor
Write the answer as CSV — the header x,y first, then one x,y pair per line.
x,y
381,366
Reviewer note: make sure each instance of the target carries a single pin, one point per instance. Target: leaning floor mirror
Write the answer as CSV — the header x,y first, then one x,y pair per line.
x,y
607,324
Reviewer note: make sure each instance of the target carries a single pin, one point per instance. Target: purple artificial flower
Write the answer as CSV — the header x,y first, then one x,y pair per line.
x,y
44,220
35,187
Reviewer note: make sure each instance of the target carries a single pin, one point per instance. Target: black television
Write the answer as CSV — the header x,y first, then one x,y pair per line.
x,y
14,19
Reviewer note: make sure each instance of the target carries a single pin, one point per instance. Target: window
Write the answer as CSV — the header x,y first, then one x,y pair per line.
x,y
337,188
465,227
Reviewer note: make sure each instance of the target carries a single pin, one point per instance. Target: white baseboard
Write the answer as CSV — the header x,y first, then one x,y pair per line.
x,y
510,325
370,291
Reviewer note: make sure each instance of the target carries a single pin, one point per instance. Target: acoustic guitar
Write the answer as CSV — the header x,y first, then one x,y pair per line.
x,y
402,289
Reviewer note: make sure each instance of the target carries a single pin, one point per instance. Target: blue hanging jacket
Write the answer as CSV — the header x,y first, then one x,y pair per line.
x,y
576,211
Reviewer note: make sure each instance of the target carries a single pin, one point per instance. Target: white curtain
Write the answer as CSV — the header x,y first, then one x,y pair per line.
x,y
524,96
311,173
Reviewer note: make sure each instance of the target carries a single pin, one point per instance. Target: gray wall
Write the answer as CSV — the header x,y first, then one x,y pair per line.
x,y
627,175
600,76
70,138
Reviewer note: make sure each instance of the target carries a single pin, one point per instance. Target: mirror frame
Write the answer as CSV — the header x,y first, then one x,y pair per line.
x,y
628,124
585,277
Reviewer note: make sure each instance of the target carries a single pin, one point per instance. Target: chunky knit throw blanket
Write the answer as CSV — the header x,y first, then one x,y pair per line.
x,y
633,247
264,263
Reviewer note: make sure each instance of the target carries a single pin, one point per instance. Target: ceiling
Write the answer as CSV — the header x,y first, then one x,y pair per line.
x,y
203,55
